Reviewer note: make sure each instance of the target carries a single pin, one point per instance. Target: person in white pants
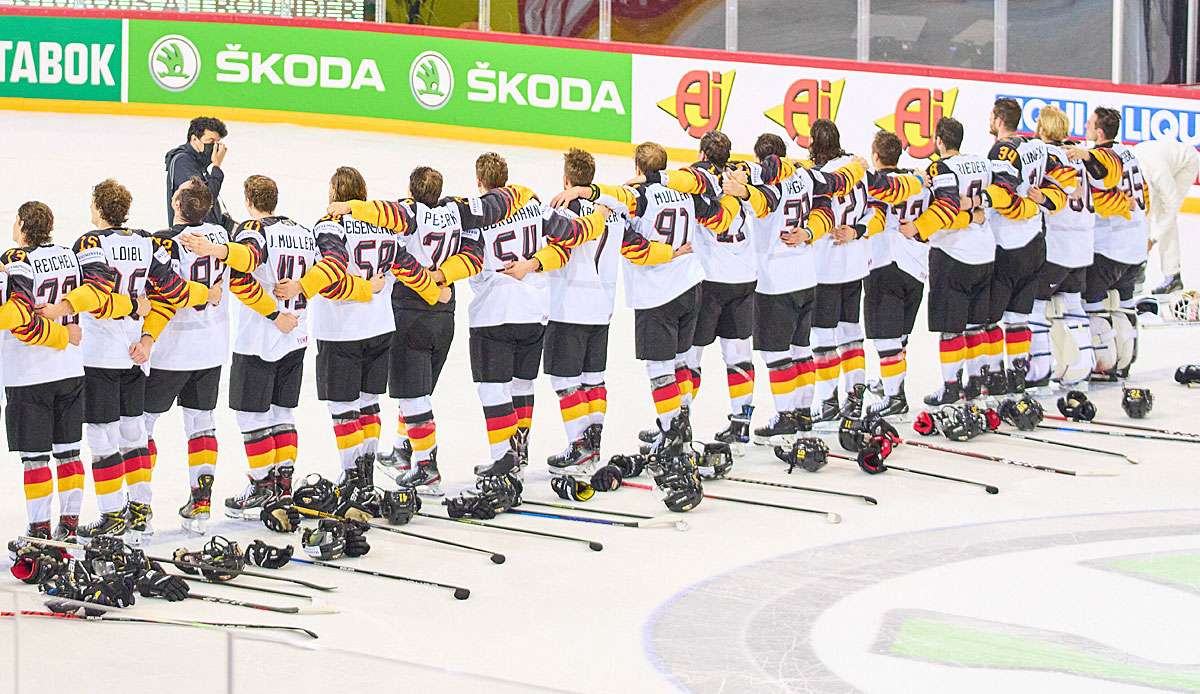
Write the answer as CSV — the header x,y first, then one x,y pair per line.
x,y
1170,167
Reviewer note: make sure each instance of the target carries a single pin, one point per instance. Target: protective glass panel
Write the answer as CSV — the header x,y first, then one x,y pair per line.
x,y
456,14
803,27
953,33
1039,34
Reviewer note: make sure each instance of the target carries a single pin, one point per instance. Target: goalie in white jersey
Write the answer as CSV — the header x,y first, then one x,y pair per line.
x,y
1120,245
191,349
120,265
446,246
43,374
509,310
269,255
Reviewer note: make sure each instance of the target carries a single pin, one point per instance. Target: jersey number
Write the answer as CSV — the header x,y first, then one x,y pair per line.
x,y
286,270
672,223
206,271
49,291
529,236
384,251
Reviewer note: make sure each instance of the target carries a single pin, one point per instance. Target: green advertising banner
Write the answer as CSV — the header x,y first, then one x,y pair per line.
x,y
553,91
58,58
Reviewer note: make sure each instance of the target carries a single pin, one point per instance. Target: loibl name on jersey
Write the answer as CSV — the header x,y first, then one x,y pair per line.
x,y
294,243
52,263
131,253
663,196
354,226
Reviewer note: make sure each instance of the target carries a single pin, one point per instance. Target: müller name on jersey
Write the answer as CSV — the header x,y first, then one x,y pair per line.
x,y
299,243
667,195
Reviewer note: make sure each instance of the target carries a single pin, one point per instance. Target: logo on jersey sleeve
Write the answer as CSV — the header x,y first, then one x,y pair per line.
x,y
803,103
916,114
431,80
700,100
174,63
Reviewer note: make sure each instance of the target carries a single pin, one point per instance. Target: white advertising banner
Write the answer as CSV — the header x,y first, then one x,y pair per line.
x,y
676,100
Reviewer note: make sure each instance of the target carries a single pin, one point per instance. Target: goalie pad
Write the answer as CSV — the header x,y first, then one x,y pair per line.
x,y
1126,336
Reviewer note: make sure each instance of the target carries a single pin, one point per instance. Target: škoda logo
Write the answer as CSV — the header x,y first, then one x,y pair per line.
x,y
804,102
917,113
700,100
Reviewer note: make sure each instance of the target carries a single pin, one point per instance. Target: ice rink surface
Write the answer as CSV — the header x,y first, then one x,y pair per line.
x,y
1057,583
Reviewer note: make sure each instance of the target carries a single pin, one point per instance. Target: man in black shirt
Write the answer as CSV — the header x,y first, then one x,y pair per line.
x,y
203,150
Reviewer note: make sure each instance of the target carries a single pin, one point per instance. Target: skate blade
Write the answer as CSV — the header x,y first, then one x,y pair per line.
x,y
194,526
243,514
138,538
575,470
431,490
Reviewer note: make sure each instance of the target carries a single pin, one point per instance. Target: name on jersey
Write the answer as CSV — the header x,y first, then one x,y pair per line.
x,y
524,214
1036,152
793,186
969,166
52,263
132,254
437,217
663,196
292,242
357,227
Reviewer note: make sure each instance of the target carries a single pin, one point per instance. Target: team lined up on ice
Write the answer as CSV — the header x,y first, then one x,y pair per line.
x,y
785,257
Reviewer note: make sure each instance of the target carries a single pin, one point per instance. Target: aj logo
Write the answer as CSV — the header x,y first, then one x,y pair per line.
x,y
700,100
804,102
916,115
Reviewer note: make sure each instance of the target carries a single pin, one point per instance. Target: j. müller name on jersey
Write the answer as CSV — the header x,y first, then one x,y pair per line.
x,y
292,242
58,261
132,254
662,196
527,212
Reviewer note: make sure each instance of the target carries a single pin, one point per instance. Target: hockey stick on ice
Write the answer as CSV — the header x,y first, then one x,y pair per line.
x,y
167,622
1121,434
1063,444
591,544
869,499
662,520
830,516
496,557
1008,461
990,489
1122,425
460,593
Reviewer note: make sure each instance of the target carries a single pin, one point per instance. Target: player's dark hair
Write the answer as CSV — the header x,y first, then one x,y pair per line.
x,y
348,184
198,125
887,147
579,167
1108,120
262,193
195,200
769,144
1008,111
491,170
649,157
112,200
715,148
826,142
37,222
425,185
950,132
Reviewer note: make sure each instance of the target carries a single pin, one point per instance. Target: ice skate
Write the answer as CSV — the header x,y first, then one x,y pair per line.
x,y
198,509
249,504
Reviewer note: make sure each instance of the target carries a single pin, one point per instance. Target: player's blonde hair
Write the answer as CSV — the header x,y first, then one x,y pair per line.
x,y
650,157
491,170
1052,124
262,193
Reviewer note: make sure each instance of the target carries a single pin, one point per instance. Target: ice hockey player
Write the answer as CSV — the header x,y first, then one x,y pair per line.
x,y
1016,196
1069,235
893,290
1120,243
443,236
354,339
191,348
119,266
960,260
582,293
268,346
43,374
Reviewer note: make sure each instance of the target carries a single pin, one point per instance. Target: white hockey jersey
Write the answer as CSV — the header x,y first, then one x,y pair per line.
x,y
284,249
890,246
1070,231
839,263
50,272
371,251
195,338
1117,238
583,291
956,176
1021,164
